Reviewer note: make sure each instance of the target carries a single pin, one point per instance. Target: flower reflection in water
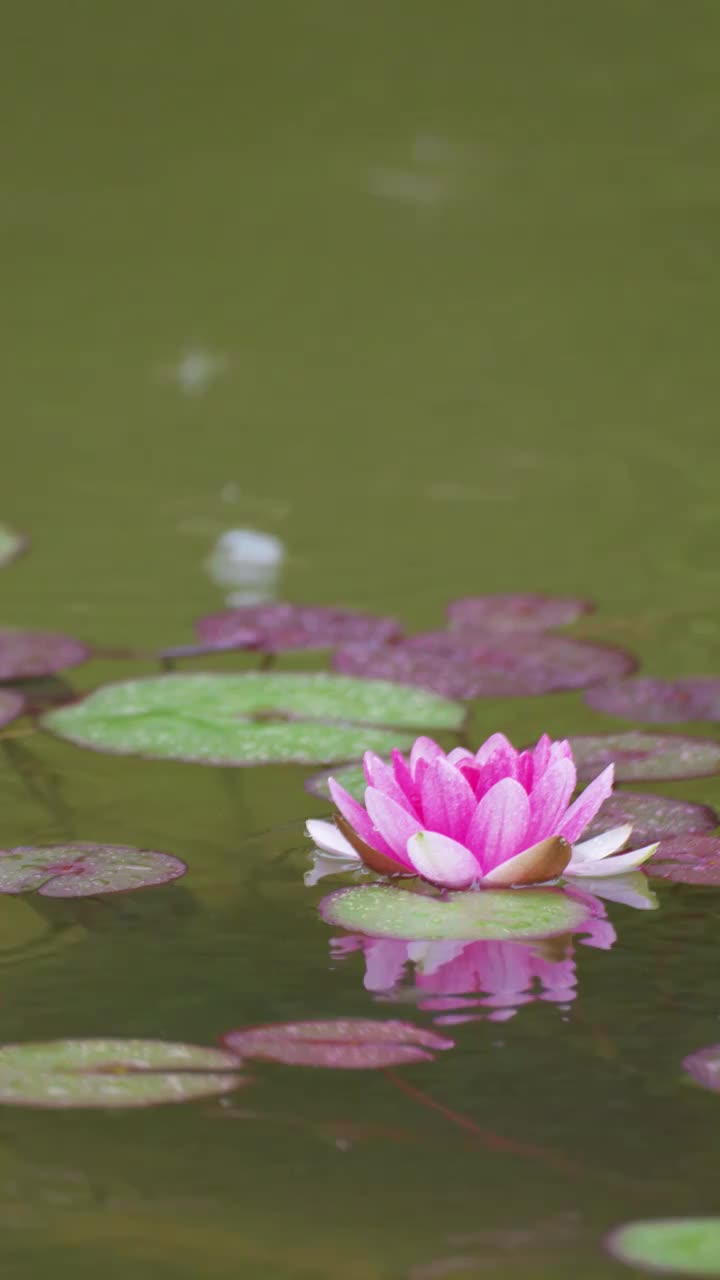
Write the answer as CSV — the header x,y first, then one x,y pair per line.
x,y
469,980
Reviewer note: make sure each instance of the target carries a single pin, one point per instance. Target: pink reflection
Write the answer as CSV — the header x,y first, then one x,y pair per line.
x,y
465,980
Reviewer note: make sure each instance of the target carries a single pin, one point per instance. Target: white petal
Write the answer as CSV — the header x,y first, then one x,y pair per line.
x,y
632,890
616,866
326,837
603,845
442,860
324,864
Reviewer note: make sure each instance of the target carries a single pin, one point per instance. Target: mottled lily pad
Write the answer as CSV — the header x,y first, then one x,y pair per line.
x,y
38,653
243,638
85,870
669,1246
12,705
112,1073
383,911
251,718
704,1067
500,665
293,626
12,544
351,776
658,701
652,817
645,757
515,612
346,1043
687,860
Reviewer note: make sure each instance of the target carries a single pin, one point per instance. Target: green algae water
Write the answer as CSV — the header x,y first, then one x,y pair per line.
x,y
428,292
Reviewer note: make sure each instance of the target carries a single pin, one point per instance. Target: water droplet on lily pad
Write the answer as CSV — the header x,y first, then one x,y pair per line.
x,y
658,701
84,870
345,1043
385,911
350,776
500,665
652,817
515,612
112,1073
687,860
645,757
12,705
294,626
12,544
303,718
669,1246
38,653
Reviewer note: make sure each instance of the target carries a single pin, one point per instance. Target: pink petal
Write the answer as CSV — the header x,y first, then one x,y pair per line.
x,y
394,823
496,742
441,860
550,798
499,825
502,764
582,812
541,755
526,770
448,802
459,754
381,776
405,780
423,749
359,820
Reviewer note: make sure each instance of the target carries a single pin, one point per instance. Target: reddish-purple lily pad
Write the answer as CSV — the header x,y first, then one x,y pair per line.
x,y
704,1067
658,701
239,638
687,860
84,870
645,757
500,665
652,817
347,1043
65,1074
12,705
294,626
515,612
38,653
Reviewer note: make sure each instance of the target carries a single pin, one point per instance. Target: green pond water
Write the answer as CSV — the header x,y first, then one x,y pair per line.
x,y
431,293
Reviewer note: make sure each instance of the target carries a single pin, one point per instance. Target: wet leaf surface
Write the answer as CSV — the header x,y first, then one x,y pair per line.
x,y
670,1246
38,653
687,860
12,705
503,665
345,1043
112,1073
652,817
250,719
645,757
658,701
291,626
84,870
382,911
12,544
515,612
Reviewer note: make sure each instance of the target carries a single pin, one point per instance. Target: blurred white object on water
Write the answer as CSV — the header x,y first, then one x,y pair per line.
x,y
250,561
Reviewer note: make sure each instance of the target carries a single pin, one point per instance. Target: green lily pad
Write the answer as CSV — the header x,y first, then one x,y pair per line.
x,y
383,911
11,544
350,776
670,1246
112,1073
251,718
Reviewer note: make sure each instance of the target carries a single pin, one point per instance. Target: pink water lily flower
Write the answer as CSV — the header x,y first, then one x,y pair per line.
x,y
498,818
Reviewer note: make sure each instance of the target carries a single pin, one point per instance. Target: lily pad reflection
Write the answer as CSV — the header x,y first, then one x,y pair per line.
x,y
348,1043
